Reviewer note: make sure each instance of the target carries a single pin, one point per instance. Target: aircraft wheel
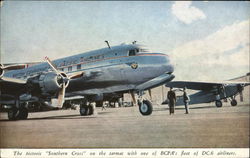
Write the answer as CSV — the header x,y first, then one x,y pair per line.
x,y
234,102
218,103
145,107
90,110
22,114
84,110
12,114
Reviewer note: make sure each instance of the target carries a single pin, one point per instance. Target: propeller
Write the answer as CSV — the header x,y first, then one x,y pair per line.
x,y
65,81
10,67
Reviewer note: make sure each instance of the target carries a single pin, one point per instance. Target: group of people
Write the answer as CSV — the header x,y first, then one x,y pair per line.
x,y
172,100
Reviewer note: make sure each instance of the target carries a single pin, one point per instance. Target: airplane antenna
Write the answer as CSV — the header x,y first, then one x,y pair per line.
x,y
108,44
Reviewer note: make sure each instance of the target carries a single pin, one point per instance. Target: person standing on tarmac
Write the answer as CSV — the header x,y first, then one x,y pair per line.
x,y
104,106
186,100
172,100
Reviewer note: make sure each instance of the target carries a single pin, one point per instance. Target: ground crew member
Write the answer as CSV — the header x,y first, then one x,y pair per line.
x,y
186,100
172,100
104,106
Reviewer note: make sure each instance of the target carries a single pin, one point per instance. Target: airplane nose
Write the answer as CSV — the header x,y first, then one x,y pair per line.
x,y
168,64
170,68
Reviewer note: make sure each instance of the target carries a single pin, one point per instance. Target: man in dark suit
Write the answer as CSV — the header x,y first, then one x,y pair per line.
x,y
186,100
172,100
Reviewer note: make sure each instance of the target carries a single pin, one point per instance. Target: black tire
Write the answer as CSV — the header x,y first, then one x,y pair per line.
x,y
218,103
83,110
145,107
90,110
234,102
12,114
22,114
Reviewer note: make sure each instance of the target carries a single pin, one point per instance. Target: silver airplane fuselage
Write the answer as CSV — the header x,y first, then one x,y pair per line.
x,y
107,70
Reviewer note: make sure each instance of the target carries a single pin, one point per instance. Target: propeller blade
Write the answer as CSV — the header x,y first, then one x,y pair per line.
x,y
10,67
14,67
51,65
150,94
61,95
76,75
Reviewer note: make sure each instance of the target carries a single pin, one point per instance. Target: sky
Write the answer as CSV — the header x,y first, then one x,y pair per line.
x,y
205,40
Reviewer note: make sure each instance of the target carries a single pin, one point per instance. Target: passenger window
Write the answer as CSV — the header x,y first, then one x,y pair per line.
x,y
70,68
78,67
132,52
61,69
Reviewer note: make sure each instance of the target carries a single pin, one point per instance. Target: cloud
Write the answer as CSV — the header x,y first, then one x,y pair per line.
x,y
222,53
219,46
187,13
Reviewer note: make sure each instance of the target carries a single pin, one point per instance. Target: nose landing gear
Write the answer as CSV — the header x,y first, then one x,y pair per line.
x,y
145,107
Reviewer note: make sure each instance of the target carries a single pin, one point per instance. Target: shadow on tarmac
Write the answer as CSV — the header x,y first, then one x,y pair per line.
x,y
61,117
190,107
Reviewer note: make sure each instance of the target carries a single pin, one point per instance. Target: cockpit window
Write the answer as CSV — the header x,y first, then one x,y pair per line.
x,y
133,52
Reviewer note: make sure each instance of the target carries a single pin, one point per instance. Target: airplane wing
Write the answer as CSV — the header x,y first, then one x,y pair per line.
x,y
11,86
204,86
7,83
9,80
209,91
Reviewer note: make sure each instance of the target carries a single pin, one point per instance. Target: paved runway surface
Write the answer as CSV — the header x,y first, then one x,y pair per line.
x,y
206,126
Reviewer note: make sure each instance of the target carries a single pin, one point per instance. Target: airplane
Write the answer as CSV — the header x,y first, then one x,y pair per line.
x,y
91,76
210,91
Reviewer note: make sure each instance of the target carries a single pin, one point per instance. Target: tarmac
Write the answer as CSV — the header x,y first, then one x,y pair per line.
x,y
205,127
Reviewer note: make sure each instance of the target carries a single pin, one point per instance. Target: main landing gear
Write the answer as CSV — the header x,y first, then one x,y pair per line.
x,y
233,101
218,103
86,110
20,113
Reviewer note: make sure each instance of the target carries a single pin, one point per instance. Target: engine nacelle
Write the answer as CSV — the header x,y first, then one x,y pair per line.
x,y
50,83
